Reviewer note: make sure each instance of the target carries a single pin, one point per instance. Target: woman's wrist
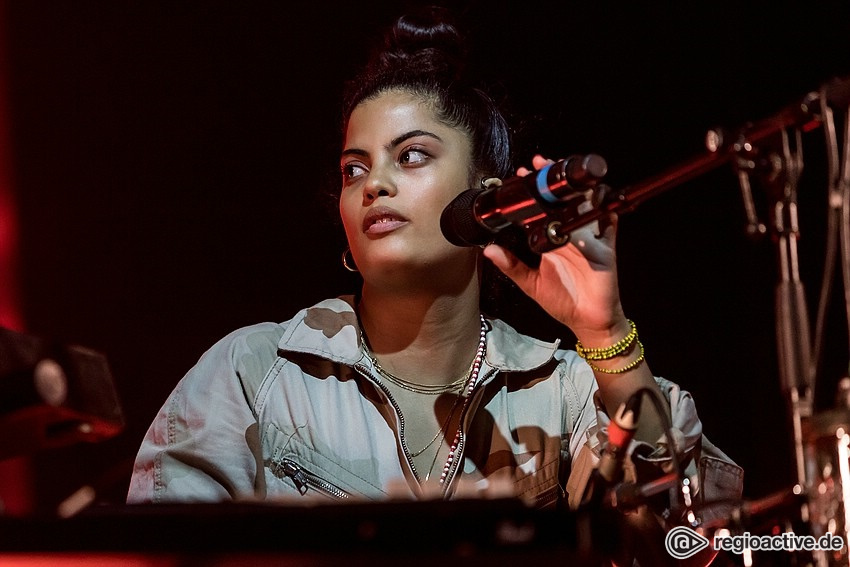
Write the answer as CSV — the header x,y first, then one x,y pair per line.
x,y
616,352
604,336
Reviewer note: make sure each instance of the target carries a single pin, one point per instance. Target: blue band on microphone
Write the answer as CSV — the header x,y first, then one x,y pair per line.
x,y
543,186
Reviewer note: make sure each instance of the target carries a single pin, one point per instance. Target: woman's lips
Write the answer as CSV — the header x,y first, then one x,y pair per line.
x,y
385,225
381,220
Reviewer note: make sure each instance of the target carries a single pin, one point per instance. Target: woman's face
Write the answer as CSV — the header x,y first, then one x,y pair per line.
x,y
400,168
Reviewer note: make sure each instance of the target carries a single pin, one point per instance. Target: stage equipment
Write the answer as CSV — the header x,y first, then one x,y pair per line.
x,y
53,395
775,160
545,206
460,532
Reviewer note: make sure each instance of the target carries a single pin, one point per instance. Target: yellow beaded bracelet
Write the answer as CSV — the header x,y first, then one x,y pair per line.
x,y
620,347
626,368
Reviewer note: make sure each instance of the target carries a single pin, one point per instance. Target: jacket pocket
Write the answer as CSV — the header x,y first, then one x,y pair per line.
x,y
549,497
541,489
305,480
296,468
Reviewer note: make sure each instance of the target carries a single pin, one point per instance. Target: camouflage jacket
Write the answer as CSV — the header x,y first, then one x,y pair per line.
x,y
296,410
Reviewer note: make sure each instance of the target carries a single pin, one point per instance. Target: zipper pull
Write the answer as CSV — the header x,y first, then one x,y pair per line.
x,y
294,472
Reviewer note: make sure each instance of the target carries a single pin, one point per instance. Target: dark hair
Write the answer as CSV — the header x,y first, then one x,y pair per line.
x,y
424,54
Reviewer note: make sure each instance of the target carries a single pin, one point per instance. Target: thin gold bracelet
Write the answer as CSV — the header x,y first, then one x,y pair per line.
x,y
605,353
634,364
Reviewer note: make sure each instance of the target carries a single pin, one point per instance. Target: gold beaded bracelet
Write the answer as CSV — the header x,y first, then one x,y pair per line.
x,y
620,347
634,364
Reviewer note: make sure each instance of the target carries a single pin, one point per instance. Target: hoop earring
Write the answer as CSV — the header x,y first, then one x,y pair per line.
x,y
350,266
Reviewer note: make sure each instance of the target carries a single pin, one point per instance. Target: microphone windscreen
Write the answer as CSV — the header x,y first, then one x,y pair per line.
x,y
458,221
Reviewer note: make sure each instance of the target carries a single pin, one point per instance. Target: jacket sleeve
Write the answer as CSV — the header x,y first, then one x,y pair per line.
x,y
203,445
714,476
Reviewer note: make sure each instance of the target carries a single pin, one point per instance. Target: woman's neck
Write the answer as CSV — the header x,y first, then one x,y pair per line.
x,y
420,337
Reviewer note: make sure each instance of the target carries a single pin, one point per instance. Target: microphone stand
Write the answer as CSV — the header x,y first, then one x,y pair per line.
x,y
780,170
779,163
765,148
838,219
772,150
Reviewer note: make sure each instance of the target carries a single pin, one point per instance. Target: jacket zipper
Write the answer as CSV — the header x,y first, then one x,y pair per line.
x,y
476,392
305,480
458,452
365,372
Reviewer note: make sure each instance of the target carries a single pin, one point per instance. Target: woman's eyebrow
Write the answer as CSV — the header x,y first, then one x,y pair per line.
x,y
354,152
393,143
412,134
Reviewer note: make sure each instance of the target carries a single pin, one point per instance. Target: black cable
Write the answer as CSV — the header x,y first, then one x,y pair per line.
x,y
832,230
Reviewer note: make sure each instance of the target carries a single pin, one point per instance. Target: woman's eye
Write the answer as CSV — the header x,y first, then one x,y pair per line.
x,y
352,171
413,156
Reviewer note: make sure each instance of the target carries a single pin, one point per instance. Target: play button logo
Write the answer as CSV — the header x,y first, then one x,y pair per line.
x,y
683,542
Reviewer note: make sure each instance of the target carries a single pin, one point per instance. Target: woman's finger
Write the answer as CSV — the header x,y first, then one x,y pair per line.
x,y
511,266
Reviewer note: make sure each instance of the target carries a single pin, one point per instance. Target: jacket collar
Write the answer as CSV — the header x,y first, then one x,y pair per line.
x,y
330,330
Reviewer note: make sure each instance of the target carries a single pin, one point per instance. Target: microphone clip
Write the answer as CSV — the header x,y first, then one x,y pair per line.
x,y
543,206
565,194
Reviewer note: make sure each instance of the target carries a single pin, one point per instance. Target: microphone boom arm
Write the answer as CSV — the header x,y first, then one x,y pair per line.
x,y
552,231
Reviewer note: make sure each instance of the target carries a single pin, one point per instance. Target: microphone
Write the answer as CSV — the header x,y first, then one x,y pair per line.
x,y
475,216
609,471
621,431
603,526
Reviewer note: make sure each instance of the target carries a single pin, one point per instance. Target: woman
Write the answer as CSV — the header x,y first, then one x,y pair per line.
x,y
407,390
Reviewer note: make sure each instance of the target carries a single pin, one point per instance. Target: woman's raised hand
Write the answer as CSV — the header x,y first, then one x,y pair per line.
x,y
575,283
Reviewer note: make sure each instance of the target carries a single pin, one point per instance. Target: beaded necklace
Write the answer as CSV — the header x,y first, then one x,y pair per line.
x,y
470,386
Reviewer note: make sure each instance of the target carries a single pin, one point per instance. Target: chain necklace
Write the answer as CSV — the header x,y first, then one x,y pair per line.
x,y
429,389
439,432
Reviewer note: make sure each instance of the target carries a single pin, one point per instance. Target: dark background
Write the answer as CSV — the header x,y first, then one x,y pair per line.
x,y
170,160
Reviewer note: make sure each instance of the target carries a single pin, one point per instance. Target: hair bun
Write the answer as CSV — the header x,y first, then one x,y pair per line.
x,y
426,42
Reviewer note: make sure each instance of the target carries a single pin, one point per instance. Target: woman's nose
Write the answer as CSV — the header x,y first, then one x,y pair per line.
x,y
379,184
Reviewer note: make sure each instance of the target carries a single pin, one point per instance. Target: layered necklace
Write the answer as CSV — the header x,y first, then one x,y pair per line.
x,y
462,387
427,389
439,433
